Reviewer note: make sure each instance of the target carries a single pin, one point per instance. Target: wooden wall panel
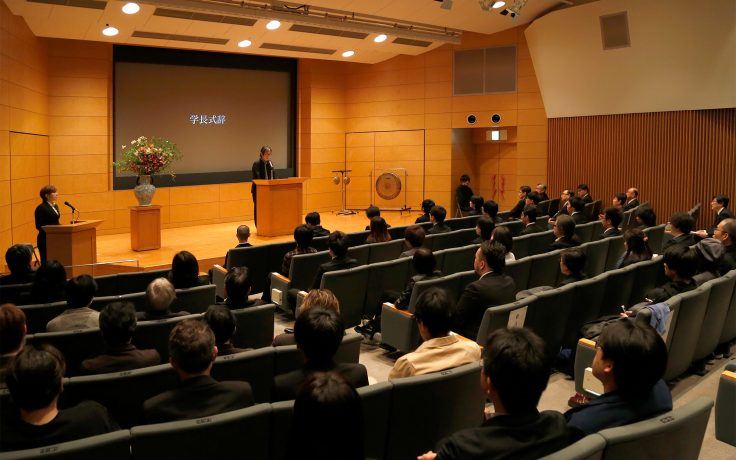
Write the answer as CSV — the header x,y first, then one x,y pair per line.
x,y
675,158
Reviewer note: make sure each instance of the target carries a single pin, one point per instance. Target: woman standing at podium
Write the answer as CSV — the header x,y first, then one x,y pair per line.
x,y
262,169
47,213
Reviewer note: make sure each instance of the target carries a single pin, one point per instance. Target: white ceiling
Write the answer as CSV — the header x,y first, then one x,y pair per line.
x,y
58,21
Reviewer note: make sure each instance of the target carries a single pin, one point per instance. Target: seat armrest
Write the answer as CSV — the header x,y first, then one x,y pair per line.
x,y
392,307
279,287
584,355
300,296
218,279
219,268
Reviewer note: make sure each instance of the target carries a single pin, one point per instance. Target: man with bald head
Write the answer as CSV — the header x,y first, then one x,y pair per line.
x,y
632,199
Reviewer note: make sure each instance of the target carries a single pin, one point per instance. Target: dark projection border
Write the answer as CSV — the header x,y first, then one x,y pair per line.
x,y
126,53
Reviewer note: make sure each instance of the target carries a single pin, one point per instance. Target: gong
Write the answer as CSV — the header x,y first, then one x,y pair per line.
x,y
388,186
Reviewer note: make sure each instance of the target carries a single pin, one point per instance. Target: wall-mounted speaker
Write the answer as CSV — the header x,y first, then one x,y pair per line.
x,y
495,118
615,31
471,119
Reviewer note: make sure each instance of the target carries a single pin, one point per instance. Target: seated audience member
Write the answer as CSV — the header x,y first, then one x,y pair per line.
x,y
636,246
318,333
726,234
413,240
316,298
328,420
630,361
632,199
303,236
78,315
35,383
313,220
681,224
427,206
439,350
160,296
514,374
425,266
572,263
437,217
680,264
337,243
379,231
564,207
645,217
490,209
49,284
192,349
710,258
532,199
516,211
541,190
12,336
503,235
484,227
463,193
476,205
242,234
584,193
18,258
618,201
719,205
529,218
117,324
371,212
223,324
493,288
184,271
237,289
564,231
577,210
611,218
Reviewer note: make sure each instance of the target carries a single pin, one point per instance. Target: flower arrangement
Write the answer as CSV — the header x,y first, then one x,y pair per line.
x,y
149,156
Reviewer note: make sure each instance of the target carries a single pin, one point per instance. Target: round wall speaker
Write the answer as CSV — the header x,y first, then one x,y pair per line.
x,y
388,186
471,119
495,118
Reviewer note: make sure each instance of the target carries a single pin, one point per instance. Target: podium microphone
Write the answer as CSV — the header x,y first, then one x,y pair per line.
x,y
270,165
70,205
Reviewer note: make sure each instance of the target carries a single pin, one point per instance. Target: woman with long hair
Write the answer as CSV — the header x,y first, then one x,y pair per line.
x,y
379,231
637,247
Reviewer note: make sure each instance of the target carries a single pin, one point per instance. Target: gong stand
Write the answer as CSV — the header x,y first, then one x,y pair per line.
x,y
344,180
389,186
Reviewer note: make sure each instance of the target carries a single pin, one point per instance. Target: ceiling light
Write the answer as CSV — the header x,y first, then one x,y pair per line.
x,y
497,5
109,31
348,53
273,25
131,8
245,43
380,38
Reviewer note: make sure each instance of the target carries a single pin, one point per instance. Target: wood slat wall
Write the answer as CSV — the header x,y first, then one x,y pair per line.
x,y
676,159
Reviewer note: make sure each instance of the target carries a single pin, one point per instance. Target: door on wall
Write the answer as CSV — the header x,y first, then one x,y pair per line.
x,y
387,169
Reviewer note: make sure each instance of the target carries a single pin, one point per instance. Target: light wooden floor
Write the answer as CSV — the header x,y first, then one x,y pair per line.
x,y
209,243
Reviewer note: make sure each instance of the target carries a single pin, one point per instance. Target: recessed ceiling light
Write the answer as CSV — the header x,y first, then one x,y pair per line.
x,y
273,25
244,43
380,38
348,53
131,8
498,5
109,31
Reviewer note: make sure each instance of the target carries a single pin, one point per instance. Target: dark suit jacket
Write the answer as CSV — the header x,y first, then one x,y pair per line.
x,y
724,214
587,198
544,196
422,219
609,232
402,302
684,240
120,359
260,171
631,204
531,228
334,264
491,290
286,386
516,210
439,228
318,230
463,193
197,397
44,215
563,243
579,218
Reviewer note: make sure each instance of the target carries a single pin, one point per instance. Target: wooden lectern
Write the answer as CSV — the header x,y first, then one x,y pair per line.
x,y
145,227
279,203
73,244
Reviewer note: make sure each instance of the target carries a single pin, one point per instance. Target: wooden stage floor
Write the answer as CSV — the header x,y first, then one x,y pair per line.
x,y
209,243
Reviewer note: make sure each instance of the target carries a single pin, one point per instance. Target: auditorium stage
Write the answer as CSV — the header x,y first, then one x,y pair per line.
x,y
209,243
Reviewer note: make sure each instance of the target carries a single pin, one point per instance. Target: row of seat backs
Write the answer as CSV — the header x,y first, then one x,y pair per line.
x,y
675,435
392,411
254,329
726,405
628,220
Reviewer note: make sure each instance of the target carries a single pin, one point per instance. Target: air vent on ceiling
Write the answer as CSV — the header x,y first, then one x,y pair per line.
x,y
181,38
300,49
615,31
93,4
410,42
218,18
325,31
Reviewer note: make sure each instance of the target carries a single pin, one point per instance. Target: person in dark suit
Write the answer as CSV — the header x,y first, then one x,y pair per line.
x,y
542,191
318,333
463,193
184,271
47,213
514,375
18,257
437,217
223,324
618,201
577,210
242,234
476,203
645,217
632,199
427,206
524,190
193,350
529,218
611,219
719,205
490,209
413,239
680,265
425,266
584,193
484,227
313,220
262,169
726,234
160,296
493,288
117,324
338,246
681,226
237,289
572,263
564,231
564,207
